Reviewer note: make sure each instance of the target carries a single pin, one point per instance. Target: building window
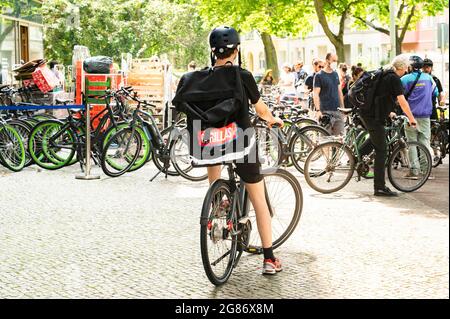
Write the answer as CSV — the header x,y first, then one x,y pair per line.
x,y
36,43
360,50
262,61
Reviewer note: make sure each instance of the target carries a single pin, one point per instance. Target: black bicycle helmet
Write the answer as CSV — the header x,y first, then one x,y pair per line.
x,y
416,62
222,38
427,62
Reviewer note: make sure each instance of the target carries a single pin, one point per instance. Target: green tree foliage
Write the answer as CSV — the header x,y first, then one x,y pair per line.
x,y
269,17
334,10
112,27
375,14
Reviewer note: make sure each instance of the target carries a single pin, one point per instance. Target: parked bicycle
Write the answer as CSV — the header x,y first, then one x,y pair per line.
x,y
331,165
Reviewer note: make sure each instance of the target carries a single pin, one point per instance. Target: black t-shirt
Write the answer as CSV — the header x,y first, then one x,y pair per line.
x,y
252,95
440,90
309,82
329,90
389,88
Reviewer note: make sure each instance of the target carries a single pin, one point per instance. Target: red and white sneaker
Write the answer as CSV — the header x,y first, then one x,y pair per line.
x,y
271,267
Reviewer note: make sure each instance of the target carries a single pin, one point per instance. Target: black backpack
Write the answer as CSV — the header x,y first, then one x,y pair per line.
x,y
361,95
211,99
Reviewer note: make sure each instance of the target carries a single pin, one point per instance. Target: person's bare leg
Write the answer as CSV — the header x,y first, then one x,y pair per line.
x,y
263,219
214,173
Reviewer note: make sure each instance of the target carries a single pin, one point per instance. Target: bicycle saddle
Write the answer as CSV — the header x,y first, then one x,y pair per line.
x,y
63,101
345,110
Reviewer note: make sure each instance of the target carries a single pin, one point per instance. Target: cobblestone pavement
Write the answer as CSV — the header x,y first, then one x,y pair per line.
x,y
129,238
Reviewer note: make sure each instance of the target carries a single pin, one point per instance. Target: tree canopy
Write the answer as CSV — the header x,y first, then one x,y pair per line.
x,y
111,27
375,14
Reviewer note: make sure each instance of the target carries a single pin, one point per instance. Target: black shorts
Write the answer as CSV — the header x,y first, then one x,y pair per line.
x,y
250,173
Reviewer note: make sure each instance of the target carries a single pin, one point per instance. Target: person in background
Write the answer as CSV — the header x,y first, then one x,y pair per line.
x,y
268,78
344,78
317,65
53,67
328,95
286,83
192,66
287,79
356,74
420,89
437,100
300,74
440,98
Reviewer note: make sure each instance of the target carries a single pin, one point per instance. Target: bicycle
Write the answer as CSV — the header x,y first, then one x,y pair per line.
x,y
289,147
331,165
54,143
169,147
226,220
440,136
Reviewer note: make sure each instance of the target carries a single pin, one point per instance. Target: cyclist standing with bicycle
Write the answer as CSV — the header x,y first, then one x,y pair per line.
x,y
224,43
388,91
421,89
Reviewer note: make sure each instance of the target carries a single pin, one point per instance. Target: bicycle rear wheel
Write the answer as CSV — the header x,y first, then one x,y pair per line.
x,y
217,243
329,167
285,198
413,157
121,152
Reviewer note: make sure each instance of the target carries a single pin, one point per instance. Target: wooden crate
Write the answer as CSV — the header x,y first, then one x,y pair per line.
x,y
146,76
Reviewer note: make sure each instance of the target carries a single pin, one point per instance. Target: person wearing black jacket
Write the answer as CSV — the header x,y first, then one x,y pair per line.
x,y
440,99
224,43
388,92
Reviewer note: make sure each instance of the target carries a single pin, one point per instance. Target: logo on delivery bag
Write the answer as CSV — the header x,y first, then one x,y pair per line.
x,y
217,136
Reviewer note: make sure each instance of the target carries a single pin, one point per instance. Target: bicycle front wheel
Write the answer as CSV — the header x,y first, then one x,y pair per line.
x,y
409,166
329,167
12,150
181,160
218,242
284,197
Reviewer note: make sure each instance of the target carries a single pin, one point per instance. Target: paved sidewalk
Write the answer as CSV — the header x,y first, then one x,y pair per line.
x,y
129,238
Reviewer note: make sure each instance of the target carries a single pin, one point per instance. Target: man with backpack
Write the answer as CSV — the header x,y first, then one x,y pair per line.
x,y
375,95
420,90
220,95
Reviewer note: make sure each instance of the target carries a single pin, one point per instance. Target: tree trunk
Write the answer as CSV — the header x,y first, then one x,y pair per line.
x,y
398,45
271,54
336,40
340,50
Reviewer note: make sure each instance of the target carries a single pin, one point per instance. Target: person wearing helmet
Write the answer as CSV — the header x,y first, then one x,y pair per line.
x,y
420,89
224,43
440,99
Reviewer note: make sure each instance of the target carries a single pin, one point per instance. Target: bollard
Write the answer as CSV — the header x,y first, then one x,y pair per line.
x,y
87,170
